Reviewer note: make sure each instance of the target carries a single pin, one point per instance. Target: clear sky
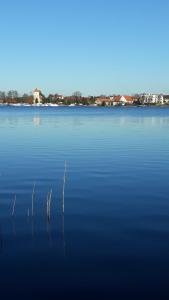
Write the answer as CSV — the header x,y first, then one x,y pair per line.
x,y
95,46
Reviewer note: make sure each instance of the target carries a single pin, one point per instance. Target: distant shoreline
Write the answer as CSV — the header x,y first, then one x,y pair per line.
x,y
81,105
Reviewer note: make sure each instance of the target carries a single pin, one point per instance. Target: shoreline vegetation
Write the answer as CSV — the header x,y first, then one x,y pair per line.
x,y
80,105
37,98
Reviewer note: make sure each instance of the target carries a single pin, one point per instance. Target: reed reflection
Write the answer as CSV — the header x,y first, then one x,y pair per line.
x,y
1,240
32,230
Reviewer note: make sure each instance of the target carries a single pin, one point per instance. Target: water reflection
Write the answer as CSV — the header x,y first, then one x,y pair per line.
x,y
13,227
63,235
32,227
76,117
37,121
1,240
28,230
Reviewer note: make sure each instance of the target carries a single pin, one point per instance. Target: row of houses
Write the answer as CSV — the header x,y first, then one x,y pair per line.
x,y
115,100
129,100
142,99
108,101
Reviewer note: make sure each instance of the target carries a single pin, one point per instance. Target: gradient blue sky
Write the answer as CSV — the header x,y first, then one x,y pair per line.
x,y
95,46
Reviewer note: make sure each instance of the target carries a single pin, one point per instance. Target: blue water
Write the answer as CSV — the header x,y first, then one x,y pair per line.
x,y
113,240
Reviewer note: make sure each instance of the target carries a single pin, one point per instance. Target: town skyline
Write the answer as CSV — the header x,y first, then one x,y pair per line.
x,y
37,97
19,93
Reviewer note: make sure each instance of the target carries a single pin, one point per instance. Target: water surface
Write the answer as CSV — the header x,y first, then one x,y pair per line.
x,y
113,240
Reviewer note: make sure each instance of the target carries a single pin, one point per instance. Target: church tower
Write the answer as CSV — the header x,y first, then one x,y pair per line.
x,y
37,96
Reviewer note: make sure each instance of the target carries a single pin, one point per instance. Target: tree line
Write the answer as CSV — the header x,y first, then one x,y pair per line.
x,y
13,96
10,94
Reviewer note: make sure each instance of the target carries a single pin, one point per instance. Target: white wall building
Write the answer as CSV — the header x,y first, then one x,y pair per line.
x,y
166,99
152,98
37,96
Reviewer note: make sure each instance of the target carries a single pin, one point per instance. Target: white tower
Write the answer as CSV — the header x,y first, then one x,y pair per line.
x,y
37,96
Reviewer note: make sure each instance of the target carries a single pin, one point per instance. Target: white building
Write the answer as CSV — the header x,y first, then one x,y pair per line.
x,y
166,99
37,96
152,99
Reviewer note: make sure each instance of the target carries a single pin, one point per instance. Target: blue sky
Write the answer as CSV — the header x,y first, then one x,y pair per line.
x,y
95,46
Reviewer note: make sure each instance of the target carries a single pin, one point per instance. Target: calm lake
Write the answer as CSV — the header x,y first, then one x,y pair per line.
x,y
112,242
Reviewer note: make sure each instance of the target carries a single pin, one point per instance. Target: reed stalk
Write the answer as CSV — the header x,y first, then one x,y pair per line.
x,y
13,206
48,206
50,199
63,192
33,196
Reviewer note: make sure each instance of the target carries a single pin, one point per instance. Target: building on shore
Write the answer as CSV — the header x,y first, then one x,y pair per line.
x,y
123,100
152,99
104,101
55,97
37,96
166,99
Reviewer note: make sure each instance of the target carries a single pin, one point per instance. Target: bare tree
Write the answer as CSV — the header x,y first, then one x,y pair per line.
x,y
12,94
77,94
2,95
25,95
15,94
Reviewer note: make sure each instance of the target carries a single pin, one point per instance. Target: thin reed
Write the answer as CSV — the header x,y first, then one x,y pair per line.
x,y
13,206
33,197
48,204
63,191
